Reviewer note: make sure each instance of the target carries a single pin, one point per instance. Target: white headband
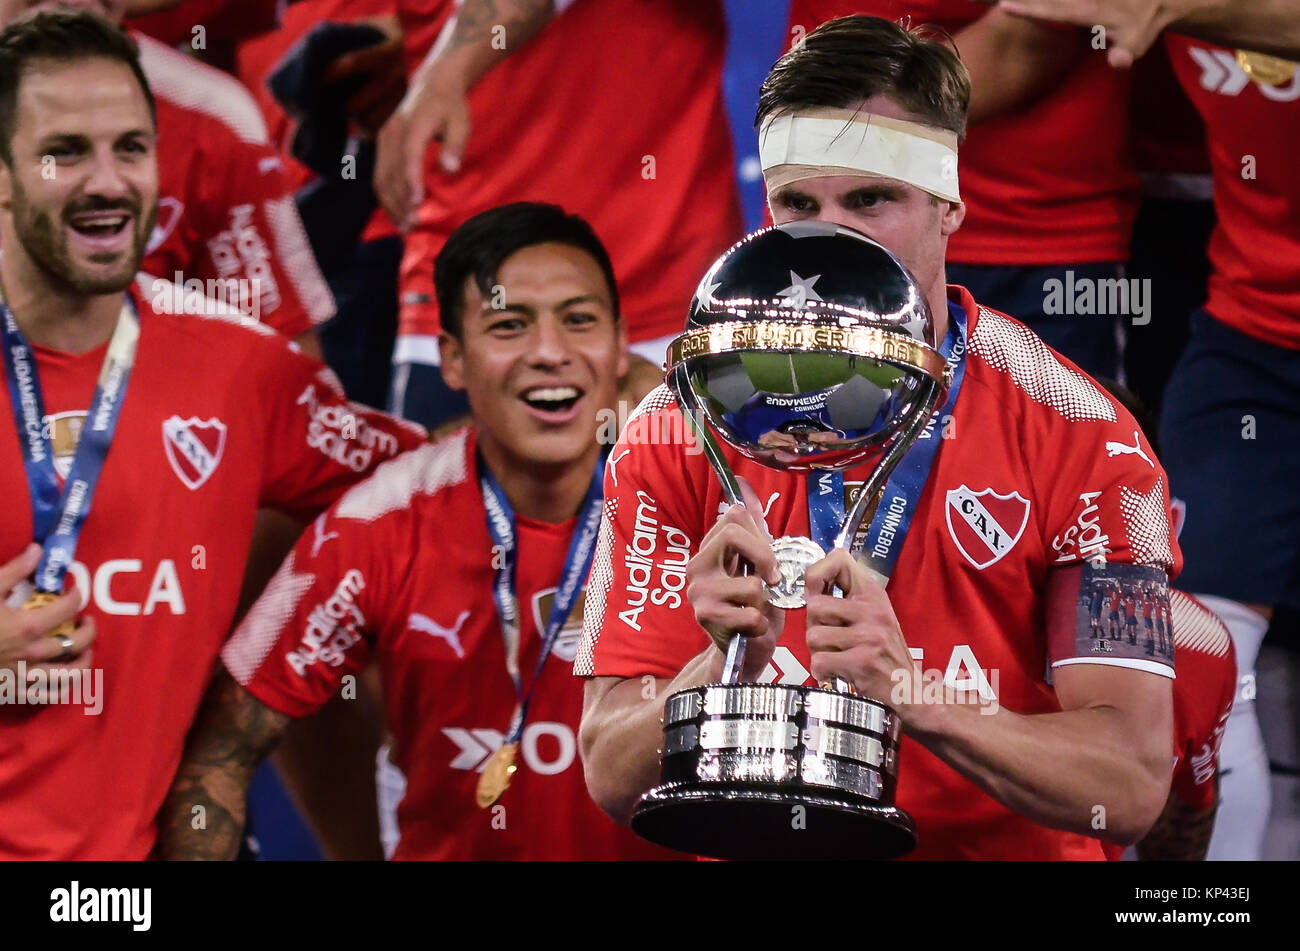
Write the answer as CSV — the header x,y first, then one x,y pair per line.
x,y
821,143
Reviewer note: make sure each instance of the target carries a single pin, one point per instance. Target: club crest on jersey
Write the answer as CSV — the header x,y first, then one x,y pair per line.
x,y
194,447
985,525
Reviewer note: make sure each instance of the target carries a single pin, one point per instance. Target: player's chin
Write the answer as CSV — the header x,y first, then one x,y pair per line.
x,y
557,445
104,276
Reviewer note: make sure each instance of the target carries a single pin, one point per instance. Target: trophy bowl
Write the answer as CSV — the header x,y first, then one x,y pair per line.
x,y
754,771
808,347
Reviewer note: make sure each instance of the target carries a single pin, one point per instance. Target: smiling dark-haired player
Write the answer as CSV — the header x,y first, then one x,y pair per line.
x,y
460,570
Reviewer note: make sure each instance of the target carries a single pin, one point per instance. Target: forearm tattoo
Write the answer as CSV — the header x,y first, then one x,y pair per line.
x,y
203,814
1181,834
478,21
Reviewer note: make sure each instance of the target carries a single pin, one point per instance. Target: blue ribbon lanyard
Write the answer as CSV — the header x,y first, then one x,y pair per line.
x,y
582,548
898,500
58,517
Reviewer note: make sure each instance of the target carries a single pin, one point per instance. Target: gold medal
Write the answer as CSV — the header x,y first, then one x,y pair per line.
x,y
1265,69
38,600
497,774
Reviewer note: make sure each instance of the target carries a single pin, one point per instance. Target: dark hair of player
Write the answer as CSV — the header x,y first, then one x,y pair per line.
x,y
853,58
1130,401
478,248
61,36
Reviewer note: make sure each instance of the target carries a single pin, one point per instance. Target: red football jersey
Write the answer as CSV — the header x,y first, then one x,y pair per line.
x,y
218,420
613,111
225,210
223,21
1203,695
1255,247
401,570
1025,445
1063,159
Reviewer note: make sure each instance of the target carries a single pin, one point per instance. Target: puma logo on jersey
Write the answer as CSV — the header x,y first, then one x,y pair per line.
x,y
613,465
1114,449
426,625
319,536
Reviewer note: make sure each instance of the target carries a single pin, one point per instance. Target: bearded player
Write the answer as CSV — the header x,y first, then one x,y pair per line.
x,y
141,487
226,211
458,569
859,127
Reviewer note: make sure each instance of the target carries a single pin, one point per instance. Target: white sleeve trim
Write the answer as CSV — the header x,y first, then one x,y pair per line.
x,y
1134,663
297,260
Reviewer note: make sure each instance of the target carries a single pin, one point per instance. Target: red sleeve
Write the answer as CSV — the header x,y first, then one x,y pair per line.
x,y
1108,495
318,444
315,623
1203,697
1108,512
637,619
252,231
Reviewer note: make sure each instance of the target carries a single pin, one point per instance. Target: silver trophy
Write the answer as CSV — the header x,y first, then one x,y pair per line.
x,y
808,348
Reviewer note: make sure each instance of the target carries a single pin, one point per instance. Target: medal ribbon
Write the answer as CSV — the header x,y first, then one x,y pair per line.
x,y
58,517
577,563
903,490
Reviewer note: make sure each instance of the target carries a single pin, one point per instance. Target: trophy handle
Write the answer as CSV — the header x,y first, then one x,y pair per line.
x,y
679,384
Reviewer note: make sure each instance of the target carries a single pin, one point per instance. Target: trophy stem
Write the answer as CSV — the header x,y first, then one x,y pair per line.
x,y
680,386
735,660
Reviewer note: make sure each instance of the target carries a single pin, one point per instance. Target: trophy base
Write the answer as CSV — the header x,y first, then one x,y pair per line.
x,y
748,824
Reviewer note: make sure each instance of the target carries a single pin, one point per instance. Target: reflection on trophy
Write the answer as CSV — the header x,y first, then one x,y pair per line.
x,y
804,378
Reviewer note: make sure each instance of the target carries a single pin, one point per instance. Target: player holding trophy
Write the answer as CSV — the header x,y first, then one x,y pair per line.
x,y
1016,739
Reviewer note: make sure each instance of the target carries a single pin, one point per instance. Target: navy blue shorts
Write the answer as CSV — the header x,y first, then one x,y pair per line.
x,y
1230,440
1092,341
